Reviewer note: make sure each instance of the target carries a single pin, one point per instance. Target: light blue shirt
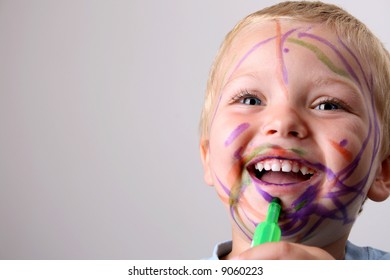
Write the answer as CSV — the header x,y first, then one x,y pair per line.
x,y
352,252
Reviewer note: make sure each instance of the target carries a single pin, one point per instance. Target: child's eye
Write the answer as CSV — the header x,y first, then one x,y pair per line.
x,y
331,105
247,98
328,106
251,101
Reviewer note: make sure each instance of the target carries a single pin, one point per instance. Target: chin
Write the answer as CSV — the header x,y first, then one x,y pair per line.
x,y
321,234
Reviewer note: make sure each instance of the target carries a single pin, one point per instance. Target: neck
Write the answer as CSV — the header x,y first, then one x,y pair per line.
x,y
337,248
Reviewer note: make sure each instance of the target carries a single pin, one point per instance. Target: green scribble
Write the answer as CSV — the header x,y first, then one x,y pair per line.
x,y
298,151
246,179
300,205
321,56
237,188
235,194
256,152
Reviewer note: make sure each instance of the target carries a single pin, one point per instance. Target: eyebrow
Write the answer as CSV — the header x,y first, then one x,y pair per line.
x,y
323,82
253,75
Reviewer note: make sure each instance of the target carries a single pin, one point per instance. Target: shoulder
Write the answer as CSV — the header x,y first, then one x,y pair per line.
x,y
353,252
221,250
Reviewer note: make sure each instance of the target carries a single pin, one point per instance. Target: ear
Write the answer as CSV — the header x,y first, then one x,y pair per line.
x,y
205,156
380,189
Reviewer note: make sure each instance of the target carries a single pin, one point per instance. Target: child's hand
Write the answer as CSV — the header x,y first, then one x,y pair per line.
x,y
284,251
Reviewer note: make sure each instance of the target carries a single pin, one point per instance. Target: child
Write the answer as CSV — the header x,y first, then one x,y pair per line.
x,y
297,107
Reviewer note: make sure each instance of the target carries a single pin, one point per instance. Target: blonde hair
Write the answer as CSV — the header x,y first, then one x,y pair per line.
x,y
354,34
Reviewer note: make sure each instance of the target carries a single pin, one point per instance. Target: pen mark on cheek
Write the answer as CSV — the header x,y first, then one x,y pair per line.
x,y
343,143
238,153
340,147
236,133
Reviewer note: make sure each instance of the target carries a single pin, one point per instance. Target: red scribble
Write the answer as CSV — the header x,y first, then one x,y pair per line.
x,y
279,57
279,151
347,155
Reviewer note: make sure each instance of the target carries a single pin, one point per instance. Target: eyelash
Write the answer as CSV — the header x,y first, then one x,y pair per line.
x,y
334,101
244,94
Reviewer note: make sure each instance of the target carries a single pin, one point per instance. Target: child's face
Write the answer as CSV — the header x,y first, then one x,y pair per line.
x,y
295,120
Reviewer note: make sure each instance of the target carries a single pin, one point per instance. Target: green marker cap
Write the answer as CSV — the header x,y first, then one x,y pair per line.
x,y
269,230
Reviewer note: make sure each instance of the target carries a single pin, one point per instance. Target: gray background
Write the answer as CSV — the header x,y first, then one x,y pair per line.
x,y
99,107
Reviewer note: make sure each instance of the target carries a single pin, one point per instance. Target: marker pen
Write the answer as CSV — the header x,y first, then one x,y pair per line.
x,y
269,230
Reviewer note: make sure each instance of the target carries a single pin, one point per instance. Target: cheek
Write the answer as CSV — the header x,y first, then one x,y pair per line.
x,y
228,139
235,133
347,144
226,152
234,141
350,159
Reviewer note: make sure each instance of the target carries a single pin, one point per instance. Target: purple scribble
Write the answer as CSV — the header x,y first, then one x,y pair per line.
x,y
264,194
235,216
225,189
343,143
305,212
215,111
255,47
369,85
238,153
236,132
284,68
335,50
246,55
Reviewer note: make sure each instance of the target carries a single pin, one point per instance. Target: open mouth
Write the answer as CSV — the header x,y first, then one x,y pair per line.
x,y
281,171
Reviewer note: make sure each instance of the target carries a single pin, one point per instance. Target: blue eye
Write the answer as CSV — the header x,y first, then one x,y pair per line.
x,y
251,101
246,97
331,105
328,106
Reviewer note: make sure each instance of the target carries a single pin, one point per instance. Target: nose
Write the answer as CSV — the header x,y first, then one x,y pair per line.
x,y
285,122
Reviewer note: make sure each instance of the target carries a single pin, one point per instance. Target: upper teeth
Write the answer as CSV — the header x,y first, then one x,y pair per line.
x,y
283,165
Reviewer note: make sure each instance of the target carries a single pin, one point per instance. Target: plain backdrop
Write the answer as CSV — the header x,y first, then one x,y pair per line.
x,y
99,109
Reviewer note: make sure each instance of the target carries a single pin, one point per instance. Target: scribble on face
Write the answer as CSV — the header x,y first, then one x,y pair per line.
x,y
339,192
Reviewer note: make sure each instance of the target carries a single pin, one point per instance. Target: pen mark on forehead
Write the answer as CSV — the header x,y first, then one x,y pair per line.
x,y
281,74
335,50
246,55
321,56
366,80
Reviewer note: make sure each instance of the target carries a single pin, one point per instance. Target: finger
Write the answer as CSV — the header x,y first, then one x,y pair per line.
x,y
284,251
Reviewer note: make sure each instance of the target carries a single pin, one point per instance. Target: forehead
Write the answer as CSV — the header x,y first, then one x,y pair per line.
x,y
269,35
264,43
282,28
